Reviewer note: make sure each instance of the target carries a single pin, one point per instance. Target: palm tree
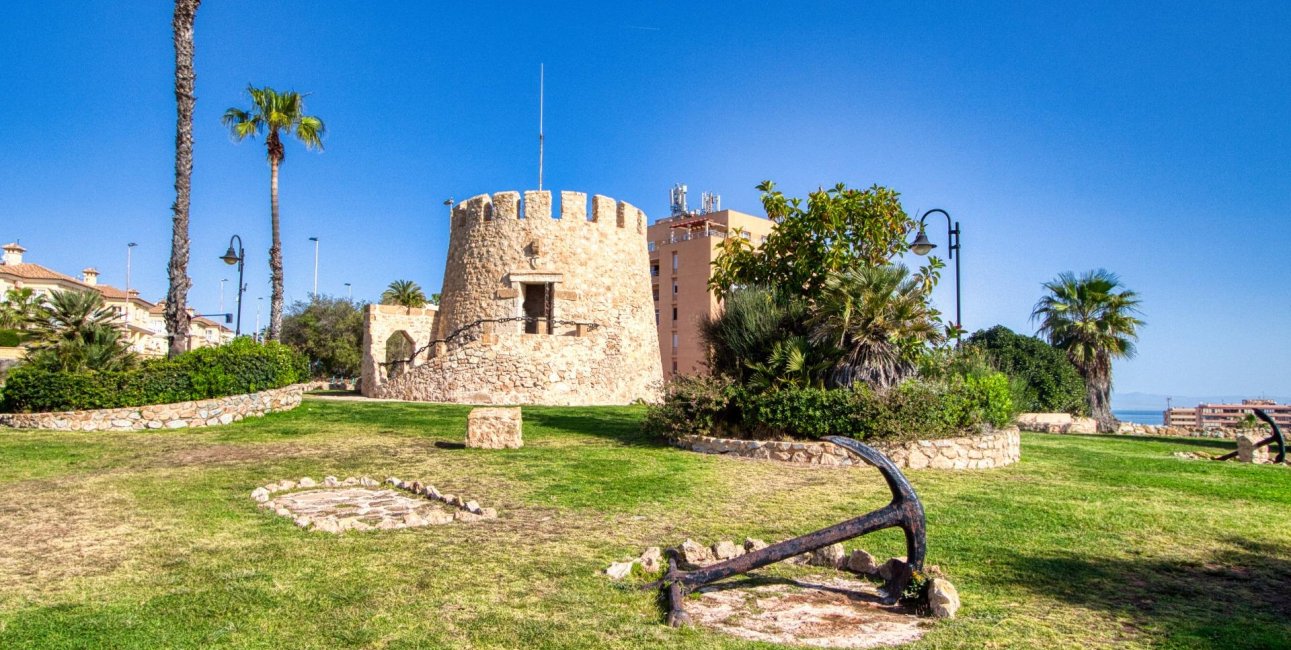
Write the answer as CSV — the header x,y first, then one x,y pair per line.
x,y
1093,322
271,113
19,308
880,318
177,318
405,293
75,331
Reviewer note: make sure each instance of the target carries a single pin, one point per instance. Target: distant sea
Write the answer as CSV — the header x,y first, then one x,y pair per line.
x,y
1138,417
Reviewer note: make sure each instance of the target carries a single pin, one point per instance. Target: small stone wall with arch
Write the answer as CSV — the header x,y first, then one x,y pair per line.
x,y
414,329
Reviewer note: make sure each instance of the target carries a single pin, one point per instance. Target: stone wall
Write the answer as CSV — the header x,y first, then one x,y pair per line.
x,y
380,322
180,415
603,347
1066,423
992,449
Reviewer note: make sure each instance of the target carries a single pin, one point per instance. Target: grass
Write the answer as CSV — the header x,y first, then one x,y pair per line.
x,y
150,540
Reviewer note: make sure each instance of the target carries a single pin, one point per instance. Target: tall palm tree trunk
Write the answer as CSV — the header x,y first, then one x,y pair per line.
x,y
275,253
177,319
1098,389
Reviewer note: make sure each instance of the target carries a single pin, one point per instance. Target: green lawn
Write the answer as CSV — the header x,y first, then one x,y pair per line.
x,y
150,540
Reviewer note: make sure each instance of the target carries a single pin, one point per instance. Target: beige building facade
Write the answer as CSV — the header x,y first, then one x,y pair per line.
x,y
1212,416
682,250
540,305
142,321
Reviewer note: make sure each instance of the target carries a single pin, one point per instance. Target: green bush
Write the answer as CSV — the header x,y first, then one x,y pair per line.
x,y
916,409
1045,380
10,338
692,405
240,367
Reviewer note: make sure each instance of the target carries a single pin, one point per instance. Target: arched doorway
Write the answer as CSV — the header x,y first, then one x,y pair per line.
x,y
399,350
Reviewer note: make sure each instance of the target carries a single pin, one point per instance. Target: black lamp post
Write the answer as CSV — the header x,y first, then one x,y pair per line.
x,y
921,246
237,256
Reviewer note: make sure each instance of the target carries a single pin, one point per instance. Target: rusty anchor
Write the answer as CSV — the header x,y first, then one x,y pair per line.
x,y
904,512
1276,437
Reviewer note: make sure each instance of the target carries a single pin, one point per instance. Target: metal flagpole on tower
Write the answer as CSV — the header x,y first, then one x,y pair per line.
x,y
541,75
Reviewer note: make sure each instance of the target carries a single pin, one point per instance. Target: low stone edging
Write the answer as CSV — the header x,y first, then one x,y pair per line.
x,y
995,448
178,415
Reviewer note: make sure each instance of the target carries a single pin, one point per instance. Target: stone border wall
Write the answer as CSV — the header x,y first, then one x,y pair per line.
x,y
179,415
992,449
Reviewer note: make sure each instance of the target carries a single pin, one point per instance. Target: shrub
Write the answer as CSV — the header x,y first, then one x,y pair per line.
x,y
1047,380
242,366
915,409
692,405
9,338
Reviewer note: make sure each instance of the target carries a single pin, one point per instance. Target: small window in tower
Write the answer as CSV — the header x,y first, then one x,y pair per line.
x,y
675,340
654,270
656,293
674,313
674,261
674,287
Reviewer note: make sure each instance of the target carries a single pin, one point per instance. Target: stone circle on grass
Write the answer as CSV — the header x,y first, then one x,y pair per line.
x,y
336,505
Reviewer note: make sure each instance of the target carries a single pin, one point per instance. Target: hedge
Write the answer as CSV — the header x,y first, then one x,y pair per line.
x,y
240,367
916,409
10,338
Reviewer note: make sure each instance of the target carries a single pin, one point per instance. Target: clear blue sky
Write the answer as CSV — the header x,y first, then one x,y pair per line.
x,y
1148,138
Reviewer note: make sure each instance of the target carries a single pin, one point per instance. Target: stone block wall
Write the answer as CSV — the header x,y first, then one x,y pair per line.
x,y
992,449
1057,423
380,322
180,415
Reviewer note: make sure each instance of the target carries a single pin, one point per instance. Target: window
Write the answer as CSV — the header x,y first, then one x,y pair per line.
x,y
656,314
745,235
654,270
674,261
675,341
656,293
652,246
674,287
674,366
674,314
537,308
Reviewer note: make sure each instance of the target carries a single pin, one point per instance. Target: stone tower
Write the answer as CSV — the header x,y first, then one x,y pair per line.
x,y
539,308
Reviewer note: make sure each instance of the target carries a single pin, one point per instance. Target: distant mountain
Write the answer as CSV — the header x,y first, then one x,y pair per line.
x,y
1154,402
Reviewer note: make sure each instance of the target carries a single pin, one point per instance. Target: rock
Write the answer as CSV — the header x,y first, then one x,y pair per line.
x,y
368,482
862,562
390,480
494,428
360,525
350,480
462,515
652,559
414,519
388,524
282,512
432,492
725,550
943,598
260,495
691,555
751,544
331,481
327,525
619,570
286,485
488,513
892,567
472,507
303,521
307,482
832,556
415,487
437,517
448,498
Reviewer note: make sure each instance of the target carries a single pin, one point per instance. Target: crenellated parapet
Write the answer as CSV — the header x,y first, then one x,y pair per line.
x,y
513,209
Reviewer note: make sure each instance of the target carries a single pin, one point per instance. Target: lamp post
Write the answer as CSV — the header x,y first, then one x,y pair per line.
x,y
349,292
315,240
259,302
239,257
129,249
921,246
222,281
449,202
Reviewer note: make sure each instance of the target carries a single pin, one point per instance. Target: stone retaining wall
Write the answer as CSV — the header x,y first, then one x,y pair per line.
x,y
180,415
992,449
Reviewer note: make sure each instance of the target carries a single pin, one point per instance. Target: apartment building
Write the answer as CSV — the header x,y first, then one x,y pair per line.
x,y
141,320
682,249
1209,416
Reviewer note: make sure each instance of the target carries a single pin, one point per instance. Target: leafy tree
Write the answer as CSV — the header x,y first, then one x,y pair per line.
x,y
840,229
20,308
74,331
1047,380
879,317
751,335
1093,319
177,317
404,293
329,332
271,113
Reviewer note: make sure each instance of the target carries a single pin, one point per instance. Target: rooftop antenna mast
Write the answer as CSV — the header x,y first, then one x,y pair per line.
x,y
541,75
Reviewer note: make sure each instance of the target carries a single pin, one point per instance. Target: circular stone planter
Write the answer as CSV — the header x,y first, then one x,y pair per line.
x,y
995,448
177,415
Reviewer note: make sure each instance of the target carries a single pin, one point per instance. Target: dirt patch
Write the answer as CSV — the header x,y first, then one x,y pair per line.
x,y
825,613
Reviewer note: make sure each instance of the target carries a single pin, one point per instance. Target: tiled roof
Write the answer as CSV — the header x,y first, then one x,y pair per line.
x,y
112,293
36,272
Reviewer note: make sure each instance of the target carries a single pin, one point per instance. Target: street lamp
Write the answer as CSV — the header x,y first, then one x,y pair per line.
x,y
315,240
129,248
239,257
449,202
922,246
349,292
